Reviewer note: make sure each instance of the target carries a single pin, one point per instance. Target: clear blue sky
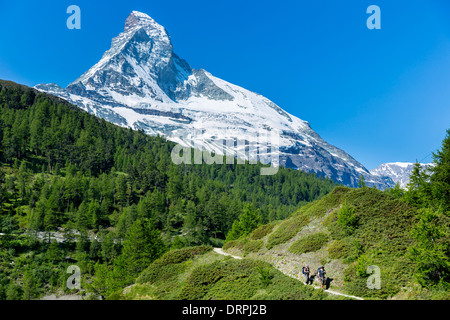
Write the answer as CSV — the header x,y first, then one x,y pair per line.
x,y
381,95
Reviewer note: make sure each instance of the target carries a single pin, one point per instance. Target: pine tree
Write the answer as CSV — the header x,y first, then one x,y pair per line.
x,y
248,221
54,252
440,178
3,195
432,247
142,245
361,182
419,189
29,286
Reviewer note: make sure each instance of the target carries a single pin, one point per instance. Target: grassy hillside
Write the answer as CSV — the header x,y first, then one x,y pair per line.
x,y
346,231
198,273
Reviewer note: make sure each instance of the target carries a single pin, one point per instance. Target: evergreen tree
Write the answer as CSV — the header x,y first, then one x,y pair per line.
x,y
431,251
14,292
430,192
440,178
248,221
29,288
142,245
361,182
54,253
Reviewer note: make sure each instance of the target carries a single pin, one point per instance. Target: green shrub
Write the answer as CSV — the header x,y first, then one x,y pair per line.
x,y
234,244
261,232
170,264
244,245
159,272
320,207
233,288
394,276
204,277
253,246
287,230
309,243
216,242
347,219
180,255
265,276
116,295
338,249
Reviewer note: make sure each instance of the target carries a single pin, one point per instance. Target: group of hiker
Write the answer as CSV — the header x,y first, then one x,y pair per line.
x,y
321,274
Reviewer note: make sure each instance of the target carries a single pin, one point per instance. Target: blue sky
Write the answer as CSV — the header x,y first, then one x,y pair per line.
x,y
380,95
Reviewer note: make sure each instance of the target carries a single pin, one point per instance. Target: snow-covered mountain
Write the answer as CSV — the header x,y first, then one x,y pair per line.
x,y
142,84
399,172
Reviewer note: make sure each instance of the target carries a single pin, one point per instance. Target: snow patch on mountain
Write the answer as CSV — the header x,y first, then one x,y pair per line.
x,y
399,172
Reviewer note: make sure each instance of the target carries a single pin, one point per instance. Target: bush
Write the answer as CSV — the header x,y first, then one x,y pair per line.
x,y
287,230
159,273
170,264
180,255
238,287
320,207
347,218
114,296
265,276
201,280
244,245
310,243
261,232
338,249
234,244
253,246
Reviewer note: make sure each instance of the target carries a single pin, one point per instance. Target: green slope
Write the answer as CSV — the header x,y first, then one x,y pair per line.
x,y
345,231
198,273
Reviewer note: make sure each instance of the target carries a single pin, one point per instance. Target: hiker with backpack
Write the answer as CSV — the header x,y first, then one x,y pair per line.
x,y
306,272
322,276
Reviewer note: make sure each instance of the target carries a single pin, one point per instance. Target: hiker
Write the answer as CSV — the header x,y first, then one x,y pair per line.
x,y
322,275
306,272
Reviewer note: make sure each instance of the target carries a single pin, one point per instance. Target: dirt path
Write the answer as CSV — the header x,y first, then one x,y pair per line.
x,y
220,251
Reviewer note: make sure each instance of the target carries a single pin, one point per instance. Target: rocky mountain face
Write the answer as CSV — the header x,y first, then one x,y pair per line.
x,y
142,84
399,172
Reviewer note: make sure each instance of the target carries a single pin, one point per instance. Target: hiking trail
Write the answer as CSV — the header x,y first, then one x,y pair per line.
x,y
220,251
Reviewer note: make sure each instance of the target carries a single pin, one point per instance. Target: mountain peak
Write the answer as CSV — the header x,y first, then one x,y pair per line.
x,y
399,172
138,19
142,84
